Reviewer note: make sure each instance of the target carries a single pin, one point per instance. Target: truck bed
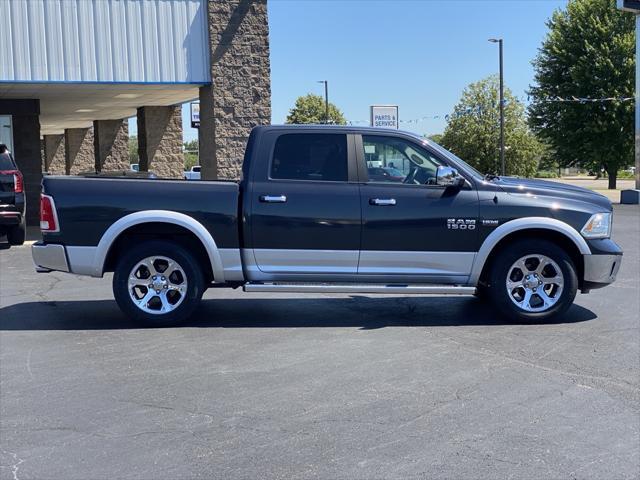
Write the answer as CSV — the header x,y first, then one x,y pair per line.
x,y
87,206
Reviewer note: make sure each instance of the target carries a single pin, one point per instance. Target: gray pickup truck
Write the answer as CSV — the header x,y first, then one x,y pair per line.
x,y
332,209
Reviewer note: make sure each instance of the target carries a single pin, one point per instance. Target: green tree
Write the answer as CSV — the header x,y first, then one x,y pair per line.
x,y
191,154
133,149
311,109
436,137
588,53
473,131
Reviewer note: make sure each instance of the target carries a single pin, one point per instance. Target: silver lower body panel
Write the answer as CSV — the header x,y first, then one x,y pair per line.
x,y
360,288
601,269
49,257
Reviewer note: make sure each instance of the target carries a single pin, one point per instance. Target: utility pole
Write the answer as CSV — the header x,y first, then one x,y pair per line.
x,y
633,196
637,101
503,167
326,100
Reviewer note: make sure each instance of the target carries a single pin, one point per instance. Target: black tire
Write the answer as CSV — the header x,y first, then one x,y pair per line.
x,y
502,265
16,235
482,293
186,262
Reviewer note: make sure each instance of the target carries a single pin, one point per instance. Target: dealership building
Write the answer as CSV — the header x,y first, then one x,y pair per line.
x,y
73,71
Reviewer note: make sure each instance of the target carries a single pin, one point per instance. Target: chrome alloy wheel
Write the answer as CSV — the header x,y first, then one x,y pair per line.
x,y
157,285
534,283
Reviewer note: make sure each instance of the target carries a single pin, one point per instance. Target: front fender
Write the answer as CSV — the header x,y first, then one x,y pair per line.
x,y
520,224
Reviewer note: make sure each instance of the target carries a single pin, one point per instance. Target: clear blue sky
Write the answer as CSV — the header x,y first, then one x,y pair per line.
x,y
418,54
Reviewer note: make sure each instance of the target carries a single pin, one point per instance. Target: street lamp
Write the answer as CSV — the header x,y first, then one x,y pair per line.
x,y
326,100
502,164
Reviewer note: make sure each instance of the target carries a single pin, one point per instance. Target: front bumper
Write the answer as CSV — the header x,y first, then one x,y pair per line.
x,y
48,257
601,267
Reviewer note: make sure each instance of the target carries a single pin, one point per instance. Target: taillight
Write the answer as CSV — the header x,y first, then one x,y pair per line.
x,y
18,180
48,215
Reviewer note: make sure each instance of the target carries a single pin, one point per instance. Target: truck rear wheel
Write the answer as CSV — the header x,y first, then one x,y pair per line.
x,y
533,281
158,283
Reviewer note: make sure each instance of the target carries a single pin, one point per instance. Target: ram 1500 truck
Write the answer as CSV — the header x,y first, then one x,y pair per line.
x,y
332,209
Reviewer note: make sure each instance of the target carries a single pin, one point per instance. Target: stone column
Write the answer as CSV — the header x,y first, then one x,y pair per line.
x,y
239,97
160,141
111,144
26,151
54,156
79,157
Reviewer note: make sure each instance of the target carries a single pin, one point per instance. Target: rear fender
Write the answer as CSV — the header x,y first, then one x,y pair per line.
x,y
158,216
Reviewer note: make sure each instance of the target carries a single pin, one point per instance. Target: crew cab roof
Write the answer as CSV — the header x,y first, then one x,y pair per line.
x,y
337,128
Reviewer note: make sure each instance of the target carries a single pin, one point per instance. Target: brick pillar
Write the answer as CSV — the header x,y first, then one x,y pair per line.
x,y
239,97
160,141
26,151
79,157
111,145
54,157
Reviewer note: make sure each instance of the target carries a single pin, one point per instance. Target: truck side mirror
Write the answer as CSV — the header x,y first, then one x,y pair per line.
x,y
448,177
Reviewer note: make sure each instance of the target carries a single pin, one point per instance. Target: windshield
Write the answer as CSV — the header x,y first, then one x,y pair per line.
x,y
451,156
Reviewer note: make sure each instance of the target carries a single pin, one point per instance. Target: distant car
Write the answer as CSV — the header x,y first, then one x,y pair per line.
x,y
12,199
193,174
135,167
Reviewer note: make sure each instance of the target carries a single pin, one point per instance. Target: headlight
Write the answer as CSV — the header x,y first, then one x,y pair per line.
x,y
598,226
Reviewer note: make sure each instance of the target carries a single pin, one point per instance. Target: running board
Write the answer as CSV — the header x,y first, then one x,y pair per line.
x,y
362,288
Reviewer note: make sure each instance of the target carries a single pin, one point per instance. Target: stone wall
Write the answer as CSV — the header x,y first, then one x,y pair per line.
x,y
240,95
160,141
54,156
79,154
111,145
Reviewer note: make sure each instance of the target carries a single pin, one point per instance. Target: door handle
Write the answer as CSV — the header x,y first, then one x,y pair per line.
x,y
382,202
273,198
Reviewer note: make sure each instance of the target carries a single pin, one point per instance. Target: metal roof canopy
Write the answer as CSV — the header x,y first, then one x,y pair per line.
x,y
77,105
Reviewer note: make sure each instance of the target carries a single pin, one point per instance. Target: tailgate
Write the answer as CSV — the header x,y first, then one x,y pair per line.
x,y
7,194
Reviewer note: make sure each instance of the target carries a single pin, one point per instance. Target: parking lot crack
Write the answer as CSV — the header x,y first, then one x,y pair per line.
x,y
620,383
17,461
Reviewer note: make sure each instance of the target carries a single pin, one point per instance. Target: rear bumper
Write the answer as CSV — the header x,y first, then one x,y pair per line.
x,y
601,268
48,257
10,217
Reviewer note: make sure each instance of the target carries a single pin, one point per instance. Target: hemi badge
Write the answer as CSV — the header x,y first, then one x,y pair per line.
x,y
490,223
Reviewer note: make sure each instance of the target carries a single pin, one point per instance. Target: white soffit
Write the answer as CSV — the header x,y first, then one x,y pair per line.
x,y
64,105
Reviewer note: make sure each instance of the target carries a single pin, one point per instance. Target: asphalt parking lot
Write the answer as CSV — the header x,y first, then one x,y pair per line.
x,y
316,386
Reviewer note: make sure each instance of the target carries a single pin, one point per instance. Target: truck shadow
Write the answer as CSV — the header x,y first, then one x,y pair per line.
x,y
366,313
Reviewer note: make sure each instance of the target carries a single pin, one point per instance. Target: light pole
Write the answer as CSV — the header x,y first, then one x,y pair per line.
x,y
326,100
502,162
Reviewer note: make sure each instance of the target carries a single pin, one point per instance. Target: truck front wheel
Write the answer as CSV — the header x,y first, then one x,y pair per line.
x,y
533,281
158,283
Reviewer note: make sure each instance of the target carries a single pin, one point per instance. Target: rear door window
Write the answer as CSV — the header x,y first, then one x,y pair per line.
x,y
311,157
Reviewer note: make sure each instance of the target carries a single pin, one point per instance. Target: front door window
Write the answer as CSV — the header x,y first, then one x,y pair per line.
x,y
394,160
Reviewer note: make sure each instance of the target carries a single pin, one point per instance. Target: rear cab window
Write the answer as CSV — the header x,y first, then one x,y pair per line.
x,y
310,157
6,162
